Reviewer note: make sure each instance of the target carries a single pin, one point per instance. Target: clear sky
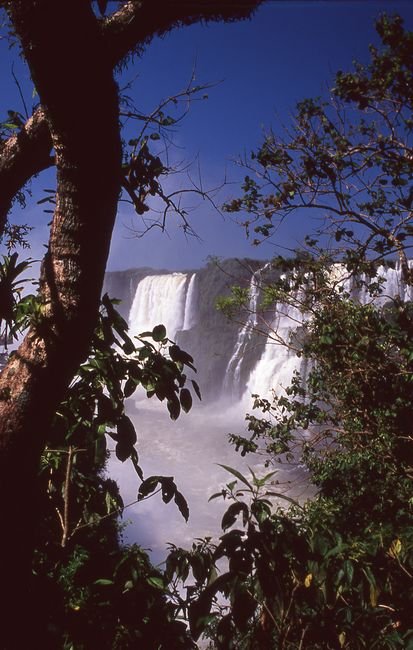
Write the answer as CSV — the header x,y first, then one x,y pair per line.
x,y
288,51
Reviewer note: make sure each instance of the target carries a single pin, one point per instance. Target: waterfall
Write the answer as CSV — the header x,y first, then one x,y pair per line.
x,y
275,367
159,299
232,379
274,370
232,359
390,279
190,314
393,285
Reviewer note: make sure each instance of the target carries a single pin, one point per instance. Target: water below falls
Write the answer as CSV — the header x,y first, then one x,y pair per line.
x,y
188,449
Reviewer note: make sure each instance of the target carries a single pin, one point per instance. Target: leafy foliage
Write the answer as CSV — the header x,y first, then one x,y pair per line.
x,y
338,571
10,291
294,580
97,585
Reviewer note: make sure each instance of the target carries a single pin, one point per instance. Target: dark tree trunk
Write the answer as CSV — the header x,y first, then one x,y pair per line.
x,y
63,47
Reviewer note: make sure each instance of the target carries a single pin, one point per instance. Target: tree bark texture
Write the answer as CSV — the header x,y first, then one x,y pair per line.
x,y
63,47
21,157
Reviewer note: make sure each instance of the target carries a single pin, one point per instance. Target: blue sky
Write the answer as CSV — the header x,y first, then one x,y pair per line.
x,y
289,50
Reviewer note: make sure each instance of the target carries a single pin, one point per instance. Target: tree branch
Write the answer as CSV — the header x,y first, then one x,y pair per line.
x,y
22,156
138,21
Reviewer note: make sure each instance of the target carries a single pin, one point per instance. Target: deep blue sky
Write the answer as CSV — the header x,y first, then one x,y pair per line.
x,y
289,50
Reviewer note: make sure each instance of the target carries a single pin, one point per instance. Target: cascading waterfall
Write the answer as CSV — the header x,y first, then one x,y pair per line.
x,y
394,285
274,369
159,299
391,280
254,364
190,314
232,379
171,299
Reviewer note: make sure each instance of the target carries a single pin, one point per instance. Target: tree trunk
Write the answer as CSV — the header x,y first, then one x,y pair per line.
x,y
63,47
71,55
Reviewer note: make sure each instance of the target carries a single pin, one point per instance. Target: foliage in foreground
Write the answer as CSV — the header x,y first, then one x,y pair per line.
x,y
338,571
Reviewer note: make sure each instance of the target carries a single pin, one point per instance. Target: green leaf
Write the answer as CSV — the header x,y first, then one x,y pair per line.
x,y
349,570
168,488
374,592
232,513
123,451
128,346
104,582
126,431
144,335
135,461
236,473
173,407
148,486
181,356
265,479
196,388
182,505
100,449
216,495
156,582
159,333
130,387
198,613
185,399
108,502
261,510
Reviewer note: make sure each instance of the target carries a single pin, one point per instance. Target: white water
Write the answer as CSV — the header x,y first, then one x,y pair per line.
x,y
232,377
191,450
159,299
393,285
191,312
274,370
391,281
